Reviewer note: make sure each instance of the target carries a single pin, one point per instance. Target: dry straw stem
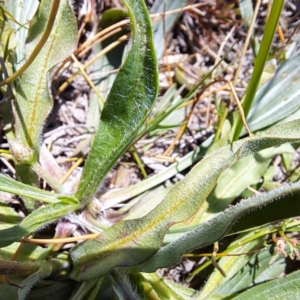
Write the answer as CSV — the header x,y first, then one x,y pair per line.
x,y
60,241
187,7
109,31
170,79
117,26
70,171
105,33
194,102
240,108
101,53
238,102
80,67
221,49
246,44
86,19
184,126
38,47
97,41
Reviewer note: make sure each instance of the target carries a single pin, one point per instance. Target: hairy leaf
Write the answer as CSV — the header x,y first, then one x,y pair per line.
x,y
132,242
43,272
17,269
214,229
238,177
33,95
131,99
12,186
35,220
58,290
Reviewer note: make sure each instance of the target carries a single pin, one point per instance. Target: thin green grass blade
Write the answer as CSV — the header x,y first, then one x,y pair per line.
x,y
260,62
130,101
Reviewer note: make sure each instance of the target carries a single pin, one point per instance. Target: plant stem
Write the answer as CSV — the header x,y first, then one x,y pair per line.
x,y
259,65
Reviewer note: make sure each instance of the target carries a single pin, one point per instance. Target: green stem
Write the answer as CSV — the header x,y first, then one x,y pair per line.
x,y
138,161
259,65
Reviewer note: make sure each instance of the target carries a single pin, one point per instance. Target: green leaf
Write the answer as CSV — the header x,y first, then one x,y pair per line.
x,y
214,229
31,271
10,292
8,214
131,242
162,288
130,101
278,98
23,14
114,197
7,38
17,269
230,265
55,290
33,100
275,211
143,204
35,220
257,271
43,272
282,288
110,17
14,187
28,252
260,61
246,9
169,20
237,178
123,289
